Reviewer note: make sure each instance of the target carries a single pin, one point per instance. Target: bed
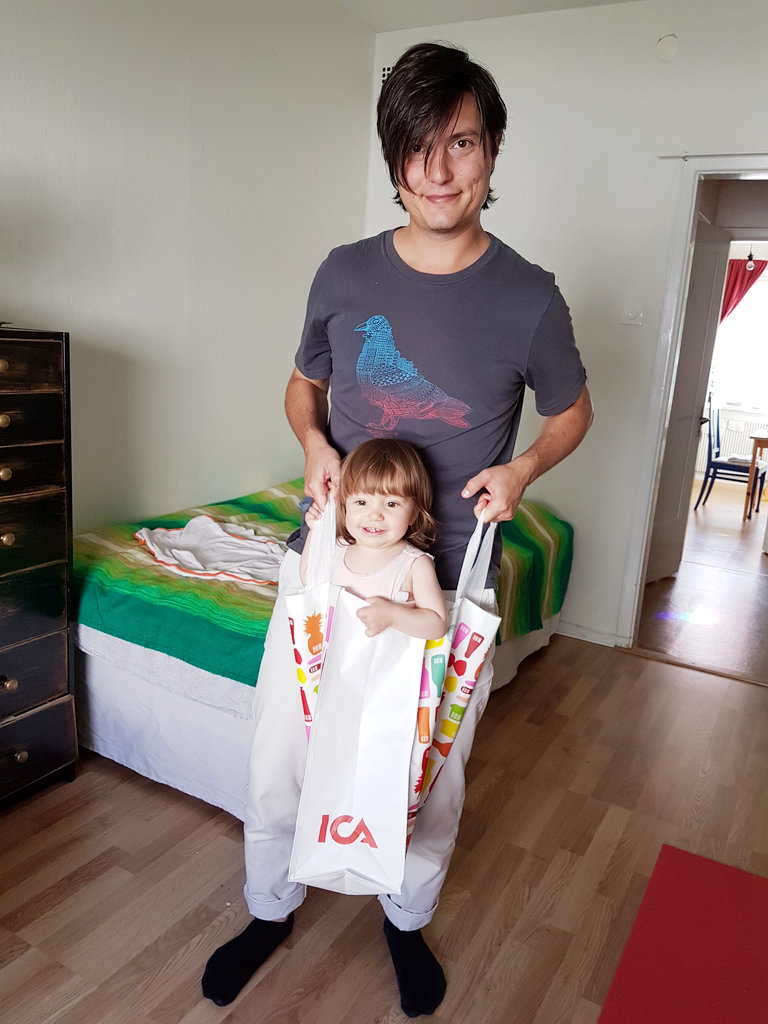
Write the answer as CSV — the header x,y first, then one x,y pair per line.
x,y
166,664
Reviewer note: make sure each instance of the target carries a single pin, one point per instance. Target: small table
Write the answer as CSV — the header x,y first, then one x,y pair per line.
x,y
759,444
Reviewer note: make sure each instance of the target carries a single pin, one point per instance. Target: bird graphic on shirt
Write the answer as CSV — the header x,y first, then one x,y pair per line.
x,y
393,383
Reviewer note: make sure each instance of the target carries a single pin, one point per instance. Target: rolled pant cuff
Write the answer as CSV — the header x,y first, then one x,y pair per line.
x,y
275,910
405,920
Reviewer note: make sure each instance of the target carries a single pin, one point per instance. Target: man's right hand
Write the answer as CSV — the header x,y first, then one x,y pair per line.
x,y
322,469
306,405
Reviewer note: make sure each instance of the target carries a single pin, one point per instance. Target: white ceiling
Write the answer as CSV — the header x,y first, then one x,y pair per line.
x,y
391,15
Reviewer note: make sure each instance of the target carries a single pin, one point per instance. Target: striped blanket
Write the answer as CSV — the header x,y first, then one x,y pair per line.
x,y
220,625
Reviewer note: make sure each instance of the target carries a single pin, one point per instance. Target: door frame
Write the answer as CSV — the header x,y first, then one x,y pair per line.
x,y
698,331
694,171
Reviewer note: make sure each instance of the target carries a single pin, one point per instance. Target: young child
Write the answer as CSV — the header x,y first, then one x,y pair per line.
x,y
383,525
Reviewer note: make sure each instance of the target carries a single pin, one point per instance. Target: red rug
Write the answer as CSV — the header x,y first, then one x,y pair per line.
x,y
698,950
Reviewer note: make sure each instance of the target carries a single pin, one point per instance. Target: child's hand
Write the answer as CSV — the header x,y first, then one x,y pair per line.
x,y
377,615
312,515
314,512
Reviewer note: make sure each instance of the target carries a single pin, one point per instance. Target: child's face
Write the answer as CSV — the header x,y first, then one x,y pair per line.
x,y
378,520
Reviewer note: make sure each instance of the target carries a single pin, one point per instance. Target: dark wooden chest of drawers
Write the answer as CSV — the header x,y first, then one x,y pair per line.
x,y
37,715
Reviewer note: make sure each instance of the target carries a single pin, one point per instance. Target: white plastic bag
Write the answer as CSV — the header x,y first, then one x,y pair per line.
x,y
351,824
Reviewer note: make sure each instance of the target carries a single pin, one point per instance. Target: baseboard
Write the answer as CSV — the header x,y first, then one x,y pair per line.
x,y
711,670
593,636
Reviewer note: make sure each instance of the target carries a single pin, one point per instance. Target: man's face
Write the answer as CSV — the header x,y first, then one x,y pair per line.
x,y
446,195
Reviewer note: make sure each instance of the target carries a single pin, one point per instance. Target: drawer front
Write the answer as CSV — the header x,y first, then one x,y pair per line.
x,y
32,531
25,418
33,673
34,745
32,467
31,366
33,604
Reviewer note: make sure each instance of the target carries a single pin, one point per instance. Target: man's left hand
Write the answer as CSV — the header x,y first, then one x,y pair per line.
x,y
505,485
502,486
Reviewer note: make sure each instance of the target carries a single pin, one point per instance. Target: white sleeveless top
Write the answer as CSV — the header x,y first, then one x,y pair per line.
x,y
385,582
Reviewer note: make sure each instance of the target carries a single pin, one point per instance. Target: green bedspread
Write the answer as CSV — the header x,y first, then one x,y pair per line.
x,y
220,625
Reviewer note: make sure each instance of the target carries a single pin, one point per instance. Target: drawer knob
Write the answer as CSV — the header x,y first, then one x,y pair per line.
x,y
5,472
8,539
21,756
9,685
4,366
5,419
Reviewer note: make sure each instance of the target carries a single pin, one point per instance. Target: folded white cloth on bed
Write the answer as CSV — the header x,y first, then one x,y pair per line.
x,y
208,549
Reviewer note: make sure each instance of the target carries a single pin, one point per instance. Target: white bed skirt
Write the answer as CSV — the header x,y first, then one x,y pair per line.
x,y
131,709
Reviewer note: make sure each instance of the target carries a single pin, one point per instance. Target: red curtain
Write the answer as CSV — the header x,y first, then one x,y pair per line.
x,y
738,281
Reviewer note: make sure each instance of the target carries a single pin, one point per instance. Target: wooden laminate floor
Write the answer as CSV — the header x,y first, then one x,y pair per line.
x,y
115,890
713,613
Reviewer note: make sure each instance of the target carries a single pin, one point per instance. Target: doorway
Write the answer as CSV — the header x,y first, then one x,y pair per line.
x,y
713,614
704,601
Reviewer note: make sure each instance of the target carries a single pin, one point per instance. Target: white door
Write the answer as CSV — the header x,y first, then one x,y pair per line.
x,y
702,315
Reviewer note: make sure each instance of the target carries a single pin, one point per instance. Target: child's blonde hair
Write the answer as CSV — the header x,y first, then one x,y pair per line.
x,y
388,466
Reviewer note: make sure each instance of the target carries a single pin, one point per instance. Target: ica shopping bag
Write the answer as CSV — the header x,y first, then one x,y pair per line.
x,y
310,613
450,670
351,825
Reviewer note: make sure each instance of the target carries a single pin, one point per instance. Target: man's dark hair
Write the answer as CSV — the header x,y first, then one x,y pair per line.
x,y
420,96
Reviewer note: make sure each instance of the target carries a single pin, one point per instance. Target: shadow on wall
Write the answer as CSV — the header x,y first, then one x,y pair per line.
x,y
106,396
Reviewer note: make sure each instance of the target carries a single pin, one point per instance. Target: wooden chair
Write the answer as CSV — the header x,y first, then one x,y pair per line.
x,y
731,467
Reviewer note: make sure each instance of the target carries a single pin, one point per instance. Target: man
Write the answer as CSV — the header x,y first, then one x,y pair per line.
x,y
429,333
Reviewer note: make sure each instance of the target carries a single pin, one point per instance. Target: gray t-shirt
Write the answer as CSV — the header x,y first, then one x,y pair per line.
x,y
440,360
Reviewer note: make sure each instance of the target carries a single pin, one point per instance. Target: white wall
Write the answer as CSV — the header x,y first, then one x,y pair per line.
x,y
584,191
172,172
742,208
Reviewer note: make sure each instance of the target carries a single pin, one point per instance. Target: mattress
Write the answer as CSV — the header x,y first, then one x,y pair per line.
x,y
219,626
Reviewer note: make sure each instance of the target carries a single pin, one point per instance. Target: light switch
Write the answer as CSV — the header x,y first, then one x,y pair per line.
x,y
632,316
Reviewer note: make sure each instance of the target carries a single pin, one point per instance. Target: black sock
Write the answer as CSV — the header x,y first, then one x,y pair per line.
x,y
234,963
420,977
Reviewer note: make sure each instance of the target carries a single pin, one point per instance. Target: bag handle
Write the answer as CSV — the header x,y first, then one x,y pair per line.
x,y
477,561
320,555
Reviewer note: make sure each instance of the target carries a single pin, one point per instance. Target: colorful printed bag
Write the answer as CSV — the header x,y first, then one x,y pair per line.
x,y
310,614
450,670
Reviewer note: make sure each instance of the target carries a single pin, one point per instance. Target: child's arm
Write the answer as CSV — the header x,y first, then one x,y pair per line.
x,y
426,617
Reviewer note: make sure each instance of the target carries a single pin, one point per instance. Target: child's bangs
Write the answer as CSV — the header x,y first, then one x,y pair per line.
x,y
378,476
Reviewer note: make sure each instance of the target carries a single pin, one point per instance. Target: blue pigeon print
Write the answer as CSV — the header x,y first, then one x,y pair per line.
x,y
395,385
